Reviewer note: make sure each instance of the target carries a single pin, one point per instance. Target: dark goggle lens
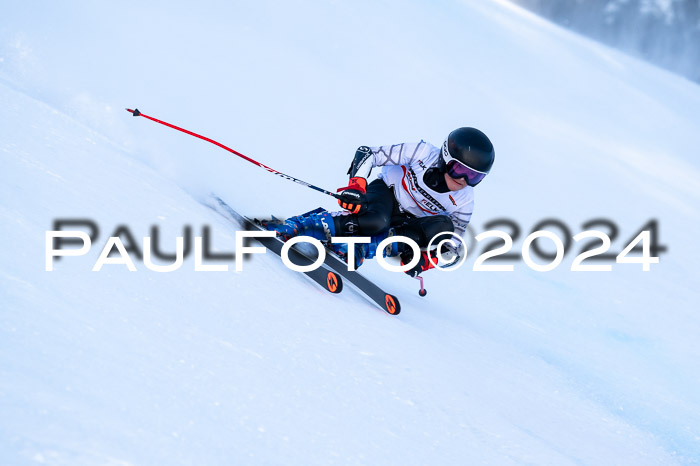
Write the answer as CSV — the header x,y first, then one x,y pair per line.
x,y
457,170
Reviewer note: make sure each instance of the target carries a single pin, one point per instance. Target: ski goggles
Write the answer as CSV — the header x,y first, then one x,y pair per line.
x,y
457,169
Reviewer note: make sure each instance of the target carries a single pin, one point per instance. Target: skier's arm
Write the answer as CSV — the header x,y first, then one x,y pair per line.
x,y
362,163
353,195
460,220
367,158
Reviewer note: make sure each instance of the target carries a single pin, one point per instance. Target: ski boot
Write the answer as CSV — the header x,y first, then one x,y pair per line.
x,y
317,225
367,250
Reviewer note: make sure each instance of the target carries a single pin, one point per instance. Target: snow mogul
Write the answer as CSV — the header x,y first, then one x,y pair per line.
x,y
422,191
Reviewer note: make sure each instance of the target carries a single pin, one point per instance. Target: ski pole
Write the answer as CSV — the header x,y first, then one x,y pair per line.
x,y
136,113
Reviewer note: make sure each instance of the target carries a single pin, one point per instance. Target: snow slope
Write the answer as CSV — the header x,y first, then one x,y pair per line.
x,y
260,367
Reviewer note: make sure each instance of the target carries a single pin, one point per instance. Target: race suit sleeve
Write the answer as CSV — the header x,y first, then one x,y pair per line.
x,y
367,158
460,219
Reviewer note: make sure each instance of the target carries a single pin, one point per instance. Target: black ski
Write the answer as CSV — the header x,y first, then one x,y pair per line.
x,y
384,300
325,277
333,263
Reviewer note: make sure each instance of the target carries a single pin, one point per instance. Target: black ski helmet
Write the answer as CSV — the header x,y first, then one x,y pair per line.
x,y
470,147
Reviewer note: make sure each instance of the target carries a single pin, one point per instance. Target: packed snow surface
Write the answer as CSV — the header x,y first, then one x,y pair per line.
x,y
263,367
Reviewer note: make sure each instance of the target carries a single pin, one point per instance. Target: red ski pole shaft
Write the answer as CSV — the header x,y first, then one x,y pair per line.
x,y
136,112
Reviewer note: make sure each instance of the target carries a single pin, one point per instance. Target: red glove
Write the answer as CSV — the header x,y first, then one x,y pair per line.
x,y
424,263
352,197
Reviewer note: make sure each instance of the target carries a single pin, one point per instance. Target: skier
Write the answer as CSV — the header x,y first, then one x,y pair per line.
x,y
421,191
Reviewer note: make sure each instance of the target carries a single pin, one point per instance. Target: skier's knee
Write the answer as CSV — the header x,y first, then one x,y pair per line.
x,y
439,224
373,223
443,223
423,230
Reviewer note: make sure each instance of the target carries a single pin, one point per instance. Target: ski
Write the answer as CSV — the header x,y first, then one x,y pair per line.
x,y
326,278
387,302
333,264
